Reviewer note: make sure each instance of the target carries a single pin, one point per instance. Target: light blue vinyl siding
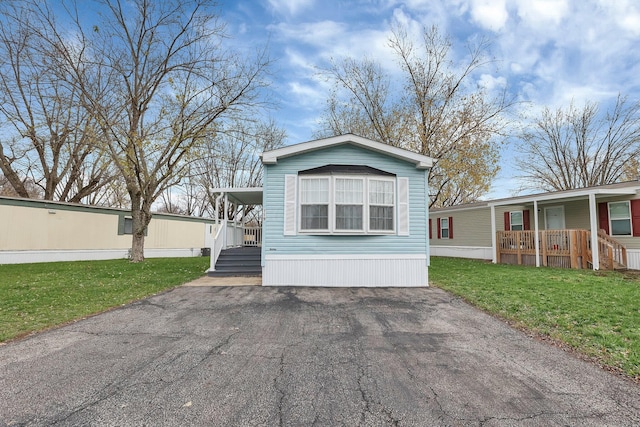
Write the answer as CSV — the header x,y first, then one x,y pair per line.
x,y
274,240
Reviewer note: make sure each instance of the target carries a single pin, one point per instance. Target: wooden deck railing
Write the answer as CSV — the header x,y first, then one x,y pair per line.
x,y
559,248
612,253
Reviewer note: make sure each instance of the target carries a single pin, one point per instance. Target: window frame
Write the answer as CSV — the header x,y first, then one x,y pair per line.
x,y
300,204
332,205
511,224
443,229
125,225
334,191
393,205
628,218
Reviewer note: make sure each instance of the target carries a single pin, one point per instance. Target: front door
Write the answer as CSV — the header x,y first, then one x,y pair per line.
x,y
554,218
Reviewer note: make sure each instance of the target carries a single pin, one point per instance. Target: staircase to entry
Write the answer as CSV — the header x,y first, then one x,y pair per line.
x,y
240,261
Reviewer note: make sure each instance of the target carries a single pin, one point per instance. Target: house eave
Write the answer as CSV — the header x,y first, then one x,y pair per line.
x,y
420,161
568,195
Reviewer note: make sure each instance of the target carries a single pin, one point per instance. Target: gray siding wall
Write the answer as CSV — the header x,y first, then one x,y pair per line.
x,y
274,240
471,227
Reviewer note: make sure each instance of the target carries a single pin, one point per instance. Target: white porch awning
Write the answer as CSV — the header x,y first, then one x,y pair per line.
x,y
241,196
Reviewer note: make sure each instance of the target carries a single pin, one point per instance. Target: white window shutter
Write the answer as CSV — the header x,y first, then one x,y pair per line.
x,y
290,192
403,206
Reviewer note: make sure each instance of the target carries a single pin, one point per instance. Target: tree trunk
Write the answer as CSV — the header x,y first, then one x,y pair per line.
x,y
137,247
141,215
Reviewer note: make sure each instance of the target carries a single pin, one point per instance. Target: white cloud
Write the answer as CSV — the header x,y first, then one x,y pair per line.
x,y
566,92
298,63
491,83
624,13
489,14
290,7
307,93
541,13
322,34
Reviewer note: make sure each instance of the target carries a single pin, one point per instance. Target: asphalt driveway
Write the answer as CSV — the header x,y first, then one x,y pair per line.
x,y
249,356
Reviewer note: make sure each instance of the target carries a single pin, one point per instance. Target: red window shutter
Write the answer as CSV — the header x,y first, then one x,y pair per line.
x,y
507,221
438,221
526,221
430,232
603,217
635,217
451,227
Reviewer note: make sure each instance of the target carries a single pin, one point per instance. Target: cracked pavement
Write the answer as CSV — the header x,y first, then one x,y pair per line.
x,y
253,356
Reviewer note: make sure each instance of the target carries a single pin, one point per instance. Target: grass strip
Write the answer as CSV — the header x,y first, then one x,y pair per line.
x,y
34,297
594,313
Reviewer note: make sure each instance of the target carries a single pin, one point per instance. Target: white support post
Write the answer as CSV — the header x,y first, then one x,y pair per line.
x,y
537,235
593,219
494,256
226,218
217,203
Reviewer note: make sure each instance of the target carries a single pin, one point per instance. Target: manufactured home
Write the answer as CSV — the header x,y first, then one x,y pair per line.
x,y
340,211
596,227
44,231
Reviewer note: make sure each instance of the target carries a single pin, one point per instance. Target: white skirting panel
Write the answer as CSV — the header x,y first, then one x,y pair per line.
x,y
633,259
475,252
172,253
351,270
24,257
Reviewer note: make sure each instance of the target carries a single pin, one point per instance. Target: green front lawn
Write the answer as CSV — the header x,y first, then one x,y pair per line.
x,y
595,313
37,296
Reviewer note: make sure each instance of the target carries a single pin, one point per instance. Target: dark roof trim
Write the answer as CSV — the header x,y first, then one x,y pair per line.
x,y
345,169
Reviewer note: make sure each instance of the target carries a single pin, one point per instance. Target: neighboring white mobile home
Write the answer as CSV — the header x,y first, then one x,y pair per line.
x,y
43,231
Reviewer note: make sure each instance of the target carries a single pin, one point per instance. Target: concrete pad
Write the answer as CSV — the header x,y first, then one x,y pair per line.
x,y
226,281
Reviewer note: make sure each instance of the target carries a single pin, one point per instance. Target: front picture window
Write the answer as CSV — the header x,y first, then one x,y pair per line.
x,y
345,204
349,203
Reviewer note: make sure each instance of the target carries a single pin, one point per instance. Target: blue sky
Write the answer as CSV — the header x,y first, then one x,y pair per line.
x,y
548,52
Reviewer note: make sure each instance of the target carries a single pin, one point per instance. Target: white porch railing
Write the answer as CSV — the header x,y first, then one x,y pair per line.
x,y
252,236
233,234
218,244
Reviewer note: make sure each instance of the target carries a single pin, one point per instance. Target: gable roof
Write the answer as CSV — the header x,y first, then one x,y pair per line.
x,y
420,161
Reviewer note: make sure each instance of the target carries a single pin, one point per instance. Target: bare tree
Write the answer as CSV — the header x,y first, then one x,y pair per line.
x,y
230,159
437,112
577,147
49,139
157,80
113,194
233,160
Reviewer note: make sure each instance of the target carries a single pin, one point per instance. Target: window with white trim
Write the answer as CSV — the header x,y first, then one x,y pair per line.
x,y
347,204
349,201
620,218
314,204
516,221
444,228
381,204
